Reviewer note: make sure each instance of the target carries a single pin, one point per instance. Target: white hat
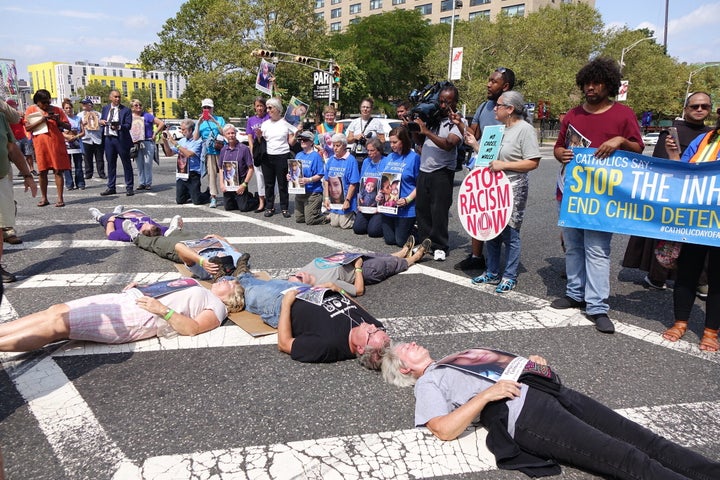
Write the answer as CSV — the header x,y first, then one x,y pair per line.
x,y
208,103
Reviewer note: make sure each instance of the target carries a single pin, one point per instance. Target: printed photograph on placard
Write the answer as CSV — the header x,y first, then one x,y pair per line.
x,y
296,111
336,192
367,198
483,362
159,289
181,170
389,193
265,77
574,138
231,175
294,175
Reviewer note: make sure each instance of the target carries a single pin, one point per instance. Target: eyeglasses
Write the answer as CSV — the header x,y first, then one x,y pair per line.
x,y
700,106
365,107
502,105
136,105
370,334
305,139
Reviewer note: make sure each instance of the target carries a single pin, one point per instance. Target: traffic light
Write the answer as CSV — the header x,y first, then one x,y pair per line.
x,y
262,53
336,73
303,60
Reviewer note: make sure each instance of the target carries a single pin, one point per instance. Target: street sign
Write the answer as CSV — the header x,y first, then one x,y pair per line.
x,y
321,86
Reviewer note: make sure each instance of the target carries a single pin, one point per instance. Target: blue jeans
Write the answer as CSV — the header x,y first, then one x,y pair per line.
x,y
75,177
576,430
144,162
264,297
511,238
587,263
396,230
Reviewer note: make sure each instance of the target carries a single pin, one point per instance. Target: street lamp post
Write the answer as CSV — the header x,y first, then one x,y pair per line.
x,y
455,4
627,49
689,82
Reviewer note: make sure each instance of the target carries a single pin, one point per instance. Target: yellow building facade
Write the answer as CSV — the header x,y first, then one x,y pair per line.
x,y
63,80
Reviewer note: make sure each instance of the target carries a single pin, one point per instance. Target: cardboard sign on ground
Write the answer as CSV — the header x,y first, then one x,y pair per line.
x,y
249,322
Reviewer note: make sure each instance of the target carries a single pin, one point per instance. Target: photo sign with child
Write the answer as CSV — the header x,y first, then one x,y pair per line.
x,y
389,193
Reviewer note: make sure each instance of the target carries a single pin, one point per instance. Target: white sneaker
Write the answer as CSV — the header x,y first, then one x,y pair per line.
x,y
129,227
175,224
96,214
439,255
118,210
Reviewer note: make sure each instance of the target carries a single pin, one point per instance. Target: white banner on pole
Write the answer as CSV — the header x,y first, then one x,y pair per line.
x,y
457,58
622,93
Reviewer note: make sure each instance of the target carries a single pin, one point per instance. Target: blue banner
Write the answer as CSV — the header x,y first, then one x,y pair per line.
x,y
644,196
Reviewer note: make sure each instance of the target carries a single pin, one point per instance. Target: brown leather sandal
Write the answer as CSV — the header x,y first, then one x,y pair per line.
x,y
676,332
709,340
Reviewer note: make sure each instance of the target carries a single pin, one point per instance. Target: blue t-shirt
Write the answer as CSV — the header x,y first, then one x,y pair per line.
x,y
312,164
345,168
208,128
196,147
409,167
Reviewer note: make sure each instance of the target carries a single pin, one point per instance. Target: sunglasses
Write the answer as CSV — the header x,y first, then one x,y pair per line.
x,y
305,139
700,106
501,69
206,108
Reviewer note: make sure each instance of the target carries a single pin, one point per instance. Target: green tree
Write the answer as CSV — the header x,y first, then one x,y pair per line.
x,y
389,48
209,42
96,89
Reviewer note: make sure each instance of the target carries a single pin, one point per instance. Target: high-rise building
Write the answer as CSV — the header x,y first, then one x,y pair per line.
x,y
338,14
63,80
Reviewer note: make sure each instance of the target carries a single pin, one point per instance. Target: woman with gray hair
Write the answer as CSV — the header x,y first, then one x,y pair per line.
x,y
340,183
278,135
534,422
519,154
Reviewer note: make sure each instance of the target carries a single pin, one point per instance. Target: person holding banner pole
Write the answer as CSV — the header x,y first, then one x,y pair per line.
x,y
519,154
705,148
609,126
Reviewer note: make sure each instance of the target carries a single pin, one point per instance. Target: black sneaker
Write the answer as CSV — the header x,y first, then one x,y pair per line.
x,y
471,263
7,277
603,323
567,302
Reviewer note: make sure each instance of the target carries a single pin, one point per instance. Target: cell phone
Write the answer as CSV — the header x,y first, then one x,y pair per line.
x,y
206,115
672,131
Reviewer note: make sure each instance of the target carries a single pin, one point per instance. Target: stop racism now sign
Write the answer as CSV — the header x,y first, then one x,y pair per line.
x,y
485,203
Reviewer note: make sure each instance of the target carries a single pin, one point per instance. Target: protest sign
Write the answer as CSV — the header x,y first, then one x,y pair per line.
x,y
644,196
485,202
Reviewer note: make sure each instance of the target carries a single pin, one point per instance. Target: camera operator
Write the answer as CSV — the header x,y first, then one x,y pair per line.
x,y
362,128
438,160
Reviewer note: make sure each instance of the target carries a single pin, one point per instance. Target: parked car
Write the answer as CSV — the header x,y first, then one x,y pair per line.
x,y
651,138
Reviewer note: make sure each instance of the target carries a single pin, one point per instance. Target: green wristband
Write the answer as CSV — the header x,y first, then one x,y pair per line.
x,y
169,314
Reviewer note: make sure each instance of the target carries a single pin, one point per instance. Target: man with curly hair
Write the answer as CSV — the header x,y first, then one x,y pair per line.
x,y
609,126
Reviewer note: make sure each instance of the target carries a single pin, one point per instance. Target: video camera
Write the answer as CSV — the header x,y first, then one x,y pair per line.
x,y
427,107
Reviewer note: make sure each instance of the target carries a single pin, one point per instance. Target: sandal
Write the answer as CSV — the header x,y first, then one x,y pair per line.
x,y
489,278
60,204
506,285
676,332
43,203
709,341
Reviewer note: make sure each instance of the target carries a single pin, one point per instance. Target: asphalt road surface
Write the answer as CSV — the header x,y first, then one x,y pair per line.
x,y
226,405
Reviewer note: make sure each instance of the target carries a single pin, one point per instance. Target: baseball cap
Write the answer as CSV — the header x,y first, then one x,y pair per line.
x,y
86,100
208,103
306,135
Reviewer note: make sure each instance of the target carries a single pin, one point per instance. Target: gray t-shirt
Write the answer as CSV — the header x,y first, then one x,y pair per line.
x,y
519,142
435,158
443,389
341,275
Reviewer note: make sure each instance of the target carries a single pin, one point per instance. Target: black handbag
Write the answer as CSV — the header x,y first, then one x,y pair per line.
x,y
259,152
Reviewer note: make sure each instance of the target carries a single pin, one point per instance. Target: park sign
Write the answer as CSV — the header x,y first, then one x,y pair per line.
x,y
485,203
322,82
644,196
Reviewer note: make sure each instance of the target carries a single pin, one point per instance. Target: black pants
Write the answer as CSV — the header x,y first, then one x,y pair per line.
x,y
113,149
432,207
690,265
576,430
94,151
275,169
190,190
